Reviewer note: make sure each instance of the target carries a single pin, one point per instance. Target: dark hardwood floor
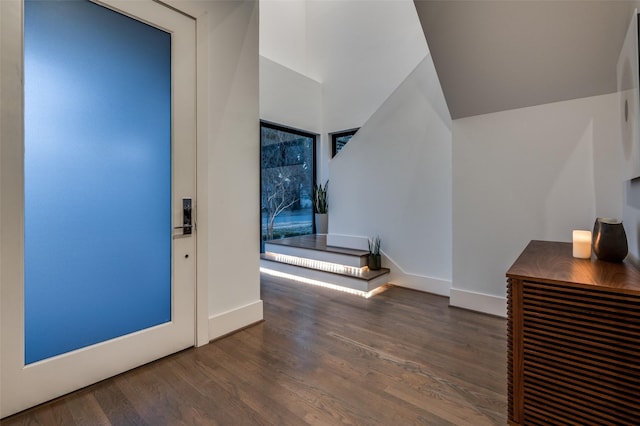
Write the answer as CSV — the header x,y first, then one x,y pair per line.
x,y
321,357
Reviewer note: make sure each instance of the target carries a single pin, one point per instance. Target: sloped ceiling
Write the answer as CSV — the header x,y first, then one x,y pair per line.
x,y
498,55
359,50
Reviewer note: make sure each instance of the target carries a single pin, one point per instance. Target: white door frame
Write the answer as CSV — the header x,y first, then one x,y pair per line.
x,y
199,11
12,171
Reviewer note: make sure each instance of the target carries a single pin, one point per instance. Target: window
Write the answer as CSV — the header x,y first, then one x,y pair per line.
x,y
340,139
287,176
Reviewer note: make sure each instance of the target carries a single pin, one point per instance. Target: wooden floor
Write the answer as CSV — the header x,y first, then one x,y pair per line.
x,y
321,357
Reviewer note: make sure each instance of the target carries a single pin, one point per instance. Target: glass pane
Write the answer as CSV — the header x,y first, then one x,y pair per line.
x,y
97,176
341,141
287,183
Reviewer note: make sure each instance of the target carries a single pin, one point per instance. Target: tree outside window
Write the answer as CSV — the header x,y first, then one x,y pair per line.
x,y
287,178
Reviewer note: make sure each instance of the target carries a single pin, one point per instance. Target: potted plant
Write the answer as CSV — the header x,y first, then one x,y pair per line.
x,y
320,207
374,260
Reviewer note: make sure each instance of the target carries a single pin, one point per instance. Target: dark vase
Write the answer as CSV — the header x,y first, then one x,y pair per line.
x,y
374,262
609,240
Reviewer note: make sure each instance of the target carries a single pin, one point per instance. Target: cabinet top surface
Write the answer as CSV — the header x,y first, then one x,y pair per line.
x,y
553,262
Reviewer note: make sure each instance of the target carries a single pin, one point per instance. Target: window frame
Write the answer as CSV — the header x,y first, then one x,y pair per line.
x,y
296,131
336,135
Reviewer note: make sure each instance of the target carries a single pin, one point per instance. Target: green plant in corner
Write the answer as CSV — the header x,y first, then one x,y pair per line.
x,y
374,260
374,246
320,198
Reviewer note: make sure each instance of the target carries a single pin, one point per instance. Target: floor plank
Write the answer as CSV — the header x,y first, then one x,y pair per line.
x,y
321,357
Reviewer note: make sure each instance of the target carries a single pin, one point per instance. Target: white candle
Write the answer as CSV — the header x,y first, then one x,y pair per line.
x,y
582,244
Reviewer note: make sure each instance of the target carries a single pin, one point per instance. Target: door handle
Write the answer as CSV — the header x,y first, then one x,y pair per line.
x,y
187,224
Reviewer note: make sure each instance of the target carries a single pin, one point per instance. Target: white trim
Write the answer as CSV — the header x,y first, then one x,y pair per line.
x,y
11,184
202,181
401,278
398,276
201,17
479,302
235,319
419,282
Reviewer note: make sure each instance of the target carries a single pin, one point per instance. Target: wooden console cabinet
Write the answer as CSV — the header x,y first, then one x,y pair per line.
x,y
573,339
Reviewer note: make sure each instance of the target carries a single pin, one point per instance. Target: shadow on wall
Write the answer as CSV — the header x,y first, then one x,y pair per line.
x,y
401,156
633,193
633,226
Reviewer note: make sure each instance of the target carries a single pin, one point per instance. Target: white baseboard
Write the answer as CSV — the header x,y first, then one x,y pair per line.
x,y
235,319
402,278
479,302
418,282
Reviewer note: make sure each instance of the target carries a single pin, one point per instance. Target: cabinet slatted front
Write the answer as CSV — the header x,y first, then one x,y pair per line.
x,y
573,339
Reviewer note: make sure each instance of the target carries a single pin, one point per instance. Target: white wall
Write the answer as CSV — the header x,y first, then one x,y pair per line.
x,y
358,50
521,174
289,98
393,179
233,198
361,51
528,174
228,151
283,35
518,175
630,144
628,82
292,99
631,219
